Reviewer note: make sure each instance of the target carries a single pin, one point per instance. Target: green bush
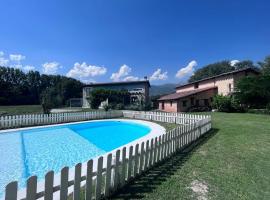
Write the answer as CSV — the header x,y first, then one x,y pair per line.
x,y
222,103
227,104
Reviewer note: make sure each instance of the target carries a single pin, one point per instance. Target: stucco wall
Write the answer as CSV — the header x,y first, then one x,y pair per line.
x,y
168,107
221,82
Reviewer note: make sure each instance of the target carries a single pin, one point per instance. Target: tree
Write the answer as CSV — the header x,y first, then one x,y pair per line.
x,y
254,92
115,97
19,88
211,70
244,64
50,98
265,66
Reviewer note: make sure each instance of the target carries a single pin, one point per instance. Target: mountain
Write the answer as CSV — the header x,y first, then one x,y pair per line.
x,y
162,89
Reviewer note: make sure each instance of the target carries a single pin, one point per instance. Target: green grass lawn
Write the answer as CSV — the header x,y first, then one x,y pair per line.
x,y
231,162
20,110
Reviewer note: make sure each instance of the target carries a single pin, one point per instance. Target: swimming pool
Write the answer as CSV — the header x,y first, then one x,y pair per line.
x,y
35,151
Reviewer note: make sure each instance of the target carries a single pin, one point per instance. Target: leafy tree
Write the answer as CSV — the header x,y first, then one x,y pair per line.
x,y
19,88
219,68
254,92
211,70
114,97
265,66
244,64
50,98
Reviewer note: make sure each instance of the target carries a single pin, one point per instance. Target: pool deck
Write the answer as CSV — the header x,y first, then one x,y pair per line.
x,y
156,130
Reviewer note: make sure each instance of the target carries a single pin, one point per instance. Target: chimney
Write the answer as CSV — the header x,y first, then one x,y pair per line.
x,y
145,78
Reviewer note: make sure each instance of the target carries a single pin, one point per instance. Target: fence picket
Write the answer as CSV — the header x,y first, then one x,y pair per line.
x,y
136,162
89,180
130,161
31,189
49,186
108,175
11,191
123,174
77,182
99,177
64,184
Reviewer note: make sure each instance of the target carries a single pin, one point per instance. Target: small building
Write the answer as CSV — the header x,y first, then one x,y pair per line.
x,y
139,90
200,93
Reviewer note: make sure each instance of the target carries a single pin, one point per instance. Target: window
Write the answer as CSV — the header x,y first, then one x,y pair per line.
x,y
230,87
162,105
211,99
196,85
197,102
192,101
206,102
184,103
171,103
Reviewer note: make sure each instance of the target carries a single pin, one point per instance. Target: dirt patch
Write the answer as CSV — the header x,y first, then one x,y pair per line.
x,y
200,189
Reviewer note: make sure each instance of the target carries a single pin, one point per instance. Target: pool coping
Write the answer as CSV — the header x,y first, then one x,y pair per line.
x,y
156,130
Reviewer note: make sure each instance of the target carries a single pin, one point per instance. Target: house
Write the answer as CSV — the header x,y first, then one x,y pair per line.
x,y
139,90
200,93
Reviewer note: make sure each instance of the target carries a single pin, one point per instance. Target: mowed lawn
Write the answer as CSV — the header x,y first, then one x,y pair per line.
x,y
232,162
20,110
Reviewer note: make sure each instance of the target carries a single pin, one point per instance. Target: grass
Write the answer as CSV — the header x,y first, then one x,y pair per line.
x,y
18,110
231,162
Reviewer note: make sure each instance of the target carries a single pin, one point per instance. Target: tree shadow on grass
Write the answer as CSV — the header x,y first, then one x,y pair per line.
x,y
148,181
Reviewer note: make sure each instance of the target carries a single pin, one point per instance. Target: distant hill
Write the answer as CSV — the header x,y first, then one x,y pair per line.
x,y
162,89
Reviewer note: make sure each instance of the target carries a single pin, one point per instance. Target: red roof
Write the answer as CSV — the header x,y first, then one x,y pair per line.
x,y
180,95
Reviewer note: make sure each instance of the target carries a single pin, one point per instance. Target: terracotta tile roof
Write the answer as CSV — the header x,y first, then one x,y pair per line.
x,y
180,95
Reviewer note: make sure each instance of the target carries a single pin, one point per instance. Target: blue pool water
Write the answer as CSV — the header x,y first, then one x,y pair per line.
x,y
36,151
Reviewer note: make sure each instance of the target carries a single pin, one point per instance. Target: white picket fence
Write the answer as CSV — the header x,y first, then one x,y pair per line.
x,y
55,118
178,118
104,176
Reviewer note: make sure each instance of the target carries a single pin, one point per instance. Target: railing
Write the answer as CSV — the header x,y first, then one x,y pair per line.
x,y
56,118
107,174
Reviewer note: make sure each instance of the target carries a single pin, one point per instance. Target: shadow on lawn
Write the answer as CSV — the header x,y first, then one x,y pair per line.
x,y
148,181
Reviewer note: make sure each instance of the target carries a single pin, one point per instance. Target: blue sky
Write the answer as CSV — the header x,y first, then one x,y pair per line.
x,y
115,40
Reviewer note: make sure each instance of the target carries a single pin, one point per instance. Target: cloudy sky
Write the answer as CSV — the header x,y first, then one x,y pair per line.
x,y
120,40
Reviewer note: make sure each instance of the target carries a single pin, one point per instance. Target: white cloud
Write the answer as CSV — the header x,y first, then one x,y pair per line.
x,y
50,67
123,71
16,57
233,62
29,68
17,66
3,62
131,78
84,71
158,75
186,71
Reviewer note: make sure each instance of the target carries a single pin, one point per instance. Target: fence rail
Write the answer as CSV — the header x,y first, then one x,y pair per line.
x,y
54,118
104,176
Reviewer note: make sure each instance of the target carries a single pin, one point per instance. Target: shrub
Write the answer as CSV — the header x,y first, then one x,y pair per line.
x,y
199,109
222,103
119,106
